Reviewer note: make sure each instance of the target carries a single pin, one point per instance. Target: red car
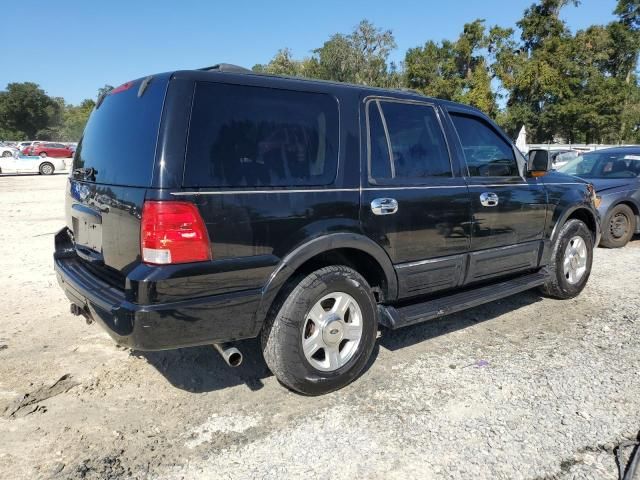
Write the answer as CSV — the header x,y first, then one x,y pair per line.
x,y
49,150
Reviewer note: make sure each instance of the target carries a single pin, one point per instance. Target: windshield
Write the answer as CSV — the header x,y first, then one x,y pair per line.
x,y
604,165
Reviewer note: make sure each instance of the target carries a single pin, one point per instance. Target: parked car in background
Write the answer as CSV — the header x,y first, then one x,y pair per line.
x,y
7,151
22,145
26,164
562,157
615,172
56,150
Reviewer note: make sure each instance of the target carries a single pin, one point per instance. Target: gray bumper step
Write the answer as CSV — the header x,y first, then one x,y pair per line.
x,y
397,317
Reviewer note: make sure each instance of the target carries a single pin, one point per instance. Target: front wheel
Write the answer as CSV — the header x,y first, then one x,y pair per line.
x,y
46,168
618,227
321,334
571,259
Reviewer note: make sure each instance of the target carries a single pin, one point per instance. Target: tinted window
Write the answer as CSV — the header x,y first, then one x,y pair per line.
x,y
486,152
253,136
418,147
120,138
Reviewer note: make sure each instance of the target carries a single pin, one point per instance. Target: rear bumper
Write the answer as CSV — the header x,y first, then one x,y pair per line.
x,y
199,321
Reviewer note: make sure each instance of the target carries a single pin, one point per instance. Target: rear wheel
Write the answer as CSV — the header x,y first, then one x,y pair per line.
x,y
320,336
46,168
7,153
618,227
571,260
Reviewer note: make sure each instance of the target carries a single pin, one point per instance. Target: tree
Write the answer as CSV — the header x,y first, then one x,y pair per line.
x,y
454,70
359,57
25,110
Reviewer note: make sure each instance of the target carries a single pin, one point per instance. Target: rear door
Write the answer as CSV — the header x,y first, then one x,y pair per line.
x,y
509,210
414,202
111,173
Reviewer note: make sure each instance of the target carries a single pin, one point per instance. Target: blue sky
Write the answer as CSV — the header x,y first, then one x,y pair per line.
x,y
73,47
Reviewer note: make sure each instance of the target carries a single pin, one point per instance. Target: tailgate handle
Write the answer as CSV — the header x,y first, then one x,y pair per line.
x,y
87,214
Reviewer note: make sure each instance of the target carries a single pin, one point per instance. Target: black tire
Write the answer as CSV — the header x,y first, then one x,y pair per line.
x,y
7,154
618,227
46,168
282,335
558,285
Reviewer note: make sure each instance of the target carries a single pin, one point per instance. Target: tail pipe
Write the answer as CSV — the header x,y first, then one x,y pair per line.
x,y
231,355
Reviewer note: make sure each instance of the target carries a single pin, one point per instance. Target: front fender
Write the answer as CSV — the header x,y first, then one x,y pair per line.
x,y
301,254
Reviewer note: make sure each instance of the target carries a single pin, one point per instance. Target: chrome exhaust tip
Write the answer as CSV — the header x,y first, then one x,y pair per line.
x,y
230,354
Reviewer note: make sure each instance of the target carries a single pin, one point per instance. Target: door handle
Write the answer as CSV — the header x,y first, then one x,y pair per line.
x,y
489,199
384,206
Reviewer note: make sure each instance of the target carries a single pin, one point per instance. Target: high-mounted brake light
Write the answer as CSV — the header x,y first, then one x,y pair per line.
x,y
121,88
173,232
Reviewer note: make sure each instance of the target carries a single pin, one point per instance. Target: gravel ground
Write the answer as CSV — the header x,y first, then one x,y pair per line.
x,y
526,387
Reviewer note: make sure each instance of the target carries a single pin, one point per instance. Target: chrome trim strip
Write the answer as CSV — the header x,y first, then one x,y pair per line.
x,y
328,190
414,187
249,192
426,262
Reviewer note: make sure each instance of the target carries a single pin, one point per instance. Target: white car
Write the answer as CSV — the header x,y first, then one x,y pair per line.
x,y
24,164
6,151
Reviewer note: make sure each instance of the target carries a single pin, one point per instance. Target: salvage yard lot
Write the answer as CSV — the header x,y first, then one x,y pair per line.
x,y
523,388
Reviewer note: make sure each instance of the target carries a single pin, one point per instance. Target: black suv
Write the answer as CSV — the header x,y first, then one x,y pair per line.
x,y
215,205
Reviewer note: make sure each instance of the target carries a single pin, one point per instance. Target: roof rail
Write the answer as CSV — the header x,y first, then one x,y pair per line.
x,y
225,67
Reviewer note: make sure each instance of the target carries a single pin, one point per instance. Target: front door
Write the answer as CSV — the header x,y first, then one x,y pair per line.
x,y
509,210
413,204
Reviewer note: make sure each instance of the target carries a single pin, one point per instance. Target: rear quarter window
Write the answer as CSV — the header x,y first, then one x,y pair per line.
x,y
245,136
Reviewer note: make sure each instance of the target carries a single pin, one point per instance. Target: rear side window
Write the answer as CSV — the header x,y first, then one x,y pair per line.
x,y
406,142
242,136
119,140
486,152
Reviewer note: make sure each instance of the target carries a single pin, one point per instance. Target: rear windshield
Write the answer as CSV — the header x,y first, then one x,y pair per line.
x,y
120,138
243,136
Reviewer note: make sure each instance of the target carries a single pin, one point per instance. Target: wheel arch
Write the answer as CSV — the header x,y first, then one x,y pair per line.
x,y
351,249
582,213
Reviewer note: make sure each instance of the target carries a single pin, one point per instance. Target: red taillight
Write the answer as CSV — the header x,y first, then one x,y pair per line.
x,y
173,232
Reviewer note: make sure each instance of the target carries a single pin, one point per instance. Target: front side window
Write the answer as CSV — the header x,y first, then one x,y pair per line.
x,y
406,142
486,152
242,136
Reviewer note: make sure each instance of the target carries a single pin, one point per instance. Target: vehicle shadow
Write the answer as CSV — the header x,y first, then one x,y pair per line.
x,y
201,369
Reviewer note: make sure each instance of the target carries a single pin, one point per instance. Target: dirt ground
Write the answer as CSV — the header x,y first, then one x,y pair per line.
x,y
526,387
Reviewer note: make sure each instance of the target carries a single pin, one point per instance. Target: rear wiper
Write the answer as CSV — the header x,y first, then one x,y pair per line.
x,y
87,173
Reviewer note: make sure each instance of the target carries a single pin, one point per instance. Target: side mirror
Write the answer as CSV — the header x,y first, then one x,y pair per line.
x,y
538,162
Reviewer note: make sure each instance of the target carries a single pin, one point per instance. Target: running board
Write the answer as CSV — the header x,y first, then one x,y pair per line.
x,y
392,317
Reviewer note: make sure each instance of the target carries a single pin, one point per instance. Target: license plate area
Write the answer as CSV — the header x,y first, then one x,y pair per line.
x,y
87,228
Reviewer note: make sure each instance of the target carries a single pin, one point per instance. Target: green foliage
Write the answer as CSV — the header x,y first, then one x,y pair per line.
x,y
359,57
28,113
25,110
454,70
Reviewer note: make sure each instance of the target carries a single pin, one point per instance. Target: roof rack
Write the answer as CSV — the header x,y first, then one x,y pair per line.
x,y
225,67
